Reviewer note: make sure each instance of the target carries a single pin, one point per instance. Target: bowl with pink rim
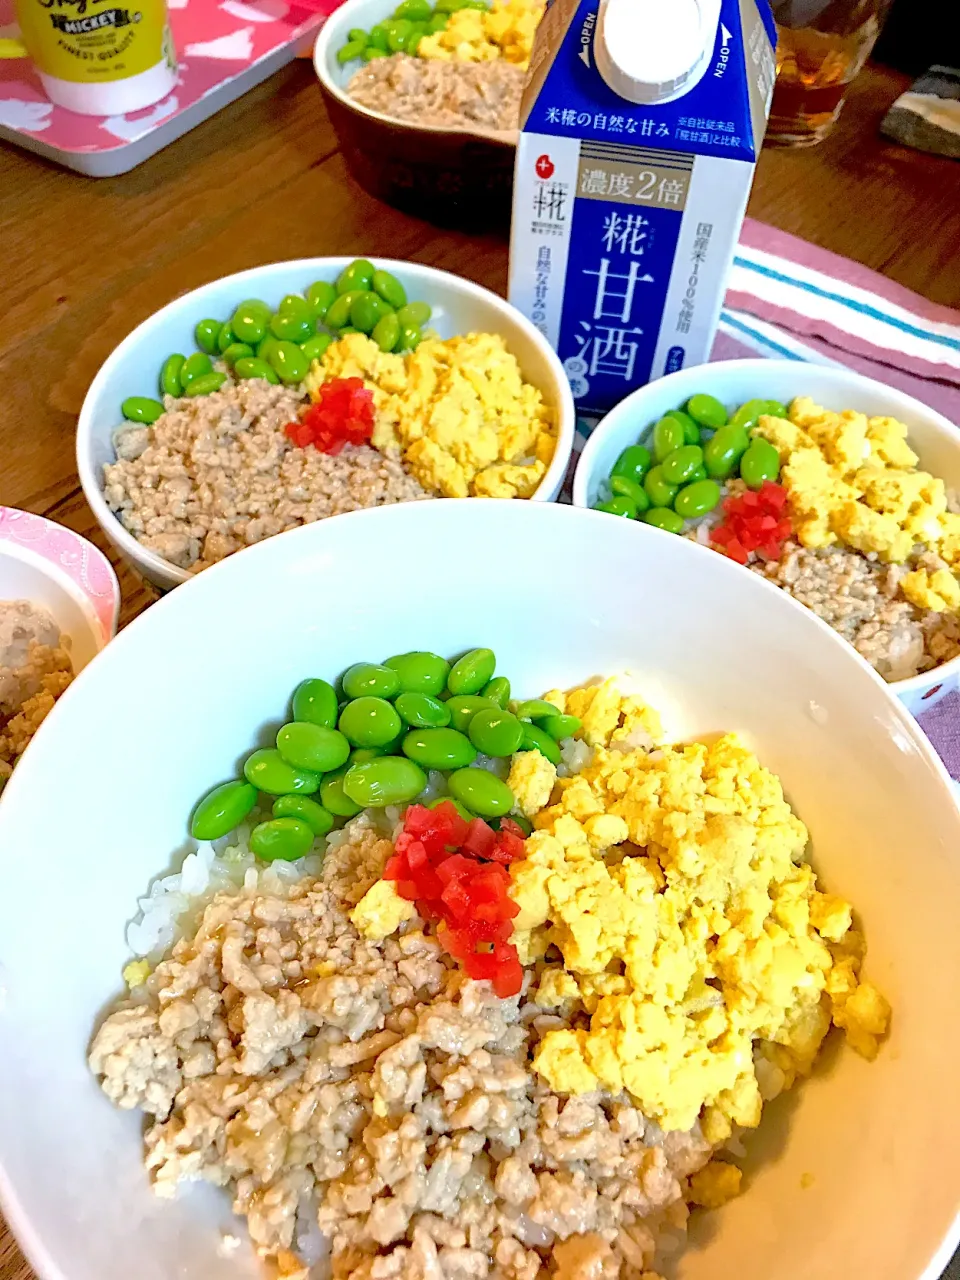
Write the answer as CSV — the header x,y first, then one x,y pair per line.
x,y
52,566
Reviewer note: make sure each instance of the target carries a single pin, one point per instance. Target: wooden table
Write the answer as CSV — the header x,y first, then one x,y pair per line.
x,y
84,261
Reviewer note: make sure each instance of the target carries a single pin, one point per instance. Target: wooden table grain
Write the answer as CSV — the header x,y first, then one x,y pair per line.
x,y
84,261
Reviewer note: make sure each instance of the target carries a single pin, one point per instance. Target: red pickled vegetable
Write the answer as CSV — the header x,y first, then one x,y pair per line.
x,y
342,414
455,872
754,522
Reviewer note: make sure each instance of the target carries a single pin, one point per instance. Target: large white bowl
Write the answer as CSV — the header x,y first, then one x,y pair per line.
x,y
561,595
459,306
932,436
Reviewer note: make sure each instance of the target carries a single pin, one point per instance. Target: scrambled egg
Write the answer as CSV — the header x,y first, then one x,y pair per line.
x,y
692,931
505,31
381,911
457,410
854,480
136,973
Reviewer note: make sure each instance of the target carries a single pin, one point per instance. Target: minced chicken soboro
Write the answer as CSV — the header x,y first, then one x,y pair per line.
x,y
216,473
447,95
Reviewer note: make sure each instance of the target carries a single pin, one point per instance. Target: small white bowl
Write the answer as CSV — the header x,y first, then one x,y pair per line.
x,y
459,306
52,566
932,436
855,1173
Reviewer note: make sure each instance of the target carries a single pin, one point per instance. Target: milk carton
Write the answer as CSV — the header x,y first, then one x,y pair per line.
x,y
640,127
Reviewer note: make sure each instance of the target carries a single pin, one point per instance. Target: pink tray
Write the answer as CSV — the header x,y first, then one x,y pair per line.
x,y
225,47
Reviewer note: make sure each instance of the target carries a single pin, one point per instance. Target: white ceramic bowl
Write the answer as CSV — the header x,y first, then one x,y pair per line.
x,y
855,1174
54,567
459,306
932,436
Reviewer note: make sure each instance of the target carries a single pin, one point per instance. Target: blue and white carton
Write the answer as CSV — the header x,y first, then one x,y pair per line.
x,y
640,128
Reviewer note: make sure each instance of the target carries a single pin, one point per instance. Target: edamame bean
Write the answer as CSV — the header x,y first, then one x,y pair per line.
x,y
254,367
338,313
410,338
463,708
621,487
320,295
536,738
707,410
141,409
352,49
291,328
498,690
534,709
371,52
398,33
439,748
663,518
697,499
290,363
315,702
761,462
294,304
560,727
496,732
775,409
312,746
420,671
679,466
170,384
249,321
318,819
225,337
348,328
415,314
387,780
267,770
236,351
471,672
722,453
315,347
386,332
369,722
391,290
366,309
481,792
437,23
420,711
222,809
370,678
691,431
206,334
699,474
334,798
415,10
659,490
748,414
619,506
667,436
206,383
633,463
266,347
194,366
281,840
360,755
358,276
358,34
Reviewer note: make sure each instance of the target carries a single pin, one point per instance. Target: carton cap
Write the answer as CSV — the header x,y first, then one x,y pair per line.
x,y
649,51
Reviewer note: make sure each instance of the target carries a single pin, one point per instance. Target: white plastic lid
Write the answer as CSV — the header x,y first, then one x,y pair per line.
x,y
652,50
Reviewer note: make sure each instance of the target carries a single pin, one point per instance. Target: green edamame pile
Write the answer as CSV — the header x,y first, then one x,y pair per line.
x,y
687,456
281,345
370,741
403,30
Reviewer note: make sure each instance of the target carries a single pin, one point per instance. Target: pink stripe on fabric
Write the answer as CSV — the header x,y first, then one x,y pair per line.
x,y
808,328
757,235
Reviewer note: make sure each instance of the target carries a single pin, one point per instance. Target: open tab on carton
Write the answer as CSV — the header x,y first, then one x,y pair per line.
x,y
641,122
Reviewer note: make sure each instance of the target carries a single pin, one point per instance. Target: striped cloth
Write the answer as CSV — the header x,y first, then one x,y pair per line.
x,y
787,299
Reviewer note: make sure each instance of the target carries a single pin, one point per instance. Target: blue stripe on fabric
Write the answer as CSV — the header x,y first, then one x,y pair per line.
x,y
761,338
863,308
